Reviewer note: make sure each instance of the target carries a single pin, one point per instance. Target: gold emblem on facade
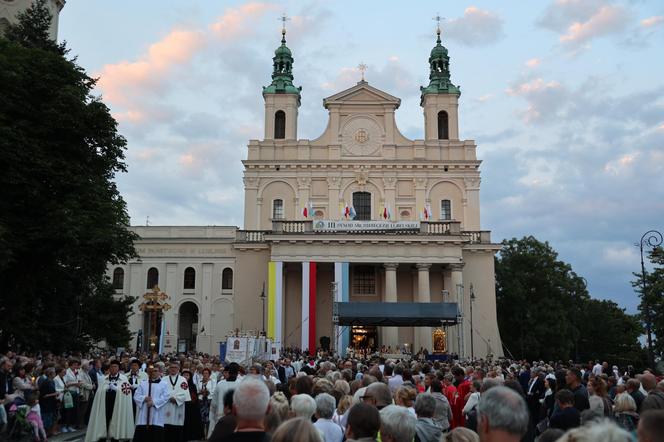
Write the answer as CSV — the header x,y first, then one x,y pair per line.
x,y
361,136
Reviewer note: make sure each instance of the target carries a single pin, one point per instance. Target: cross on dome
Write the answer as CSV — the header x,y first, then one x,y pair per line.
x,y
437,19
283,19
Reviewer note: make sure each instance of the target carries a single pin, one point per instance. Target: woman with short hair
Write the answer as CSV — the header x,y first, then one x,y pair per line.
x,y
625,413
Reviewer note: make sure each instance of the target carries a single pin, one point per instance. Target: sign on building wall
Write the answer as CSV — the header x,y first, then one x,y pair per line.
x,y
360,226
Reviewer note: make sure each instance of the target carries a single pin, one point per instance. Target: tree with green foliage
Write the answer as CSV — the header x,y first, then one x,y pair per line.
x,y
62,218
653,299
545,311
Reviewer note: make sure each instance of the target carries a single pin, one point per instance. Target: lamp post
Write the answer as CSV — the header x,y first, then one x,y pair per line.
x,y
472,340
652,238
153,306
263,301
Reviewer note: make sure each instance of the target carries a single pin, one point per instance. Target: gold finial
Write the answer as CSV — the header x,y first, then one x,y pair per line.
x,y
363,68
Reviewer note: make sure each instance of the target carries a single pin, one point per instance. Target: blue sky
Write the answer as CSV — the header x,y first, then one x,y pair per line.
x,y
565,99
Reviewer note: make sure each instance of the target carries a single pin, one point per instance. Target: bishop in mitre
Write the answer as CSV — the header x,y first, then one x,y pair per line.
x,y
111,415
150,398
178,389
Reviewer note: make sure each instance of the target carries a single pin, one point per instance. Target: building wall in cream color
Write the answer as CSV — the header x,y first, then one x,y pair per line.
x,y
404,175
9,9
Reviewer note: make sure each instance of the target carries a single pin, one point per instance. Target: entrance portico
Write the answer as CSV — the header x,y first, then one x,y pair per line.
x,y
320,268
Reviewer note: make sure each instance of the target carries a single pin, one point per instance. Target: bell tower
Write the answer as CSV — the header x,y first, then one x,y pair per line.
x,y
282,98
440,99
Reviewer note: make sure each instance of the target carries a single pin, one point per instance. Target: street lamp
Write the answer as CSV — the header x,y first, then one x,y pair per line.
x,y
263,301
472,340
652,238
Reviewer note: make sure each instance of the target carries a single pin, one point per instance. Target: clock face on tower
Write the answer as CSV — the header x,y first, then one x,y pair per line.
x,y
361,137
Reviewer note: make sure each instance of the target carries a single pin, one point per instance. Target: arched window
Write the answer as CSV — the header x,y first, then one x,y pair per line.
x,y
118,278
319,214
278,209
153,277
227,279
189,278
445,210
362,205
405,214
443,126
280,125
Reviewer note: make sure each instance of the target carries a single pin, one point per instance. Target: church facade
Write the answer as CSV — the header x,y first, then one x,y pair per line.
x,y
359,214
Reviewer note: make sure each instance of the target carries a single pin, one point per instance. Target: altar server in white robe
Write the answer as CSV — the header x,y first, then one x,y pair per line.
x,y
111,415
150,398
178,390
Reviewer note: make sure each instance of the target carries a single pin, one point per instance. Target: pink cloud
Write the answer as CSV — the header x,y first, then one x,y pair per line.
x,y
120,81
533,62
239,21
652,21
607,20
123,81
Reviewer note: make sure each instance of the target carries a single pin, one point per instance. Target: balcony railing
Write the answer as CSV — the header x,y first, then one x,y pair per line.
x,y
251,235
426,228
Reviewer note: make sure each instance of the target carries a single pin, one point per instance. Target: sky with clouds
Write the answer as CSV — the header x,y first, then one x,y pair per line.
x,y
565,99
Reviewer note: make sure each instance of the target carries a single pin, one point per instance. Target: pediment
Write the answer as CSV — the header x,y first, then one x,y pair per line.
x,y
362,93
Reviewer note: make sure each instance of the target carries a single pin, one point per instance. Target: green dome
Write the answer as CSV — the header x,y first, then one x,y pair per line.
x,y
439,72
439,50
282,73
283,51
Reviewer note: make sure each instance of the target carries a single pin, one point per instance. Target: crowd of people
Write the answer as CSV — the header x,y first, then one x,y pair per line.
x,y
184,397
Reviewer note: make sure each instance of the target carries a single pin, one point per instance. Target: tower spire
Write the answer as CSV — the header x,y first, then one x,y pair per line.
x,y
439,68
438,18
282,72
283,19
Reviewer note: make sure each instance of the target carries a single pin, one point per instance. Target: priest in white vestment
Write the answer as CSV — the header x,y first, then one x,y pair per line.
x,y
111,415
217,400
150,398
178,390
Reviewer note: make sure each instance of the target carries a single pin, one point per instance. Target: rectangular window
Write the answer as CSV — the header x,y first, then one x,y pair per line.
x,y
278,209
364,280
362,206
445,210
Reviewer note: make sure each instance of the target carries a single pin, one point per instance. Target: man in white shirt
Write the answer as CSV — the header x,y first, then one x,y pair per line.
x,y
597,368
150,398
325,406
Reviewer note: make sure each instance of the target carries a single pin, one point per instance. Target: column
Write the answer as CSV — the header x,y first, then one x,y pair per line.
x,y
456,295
341,278
390,334
308,337
136,287
423,295
169,329
274,301
204,336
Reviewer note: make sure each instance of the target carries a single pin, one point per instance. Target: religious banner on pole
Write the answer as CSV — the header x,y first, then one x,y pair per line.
x,y
236,349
